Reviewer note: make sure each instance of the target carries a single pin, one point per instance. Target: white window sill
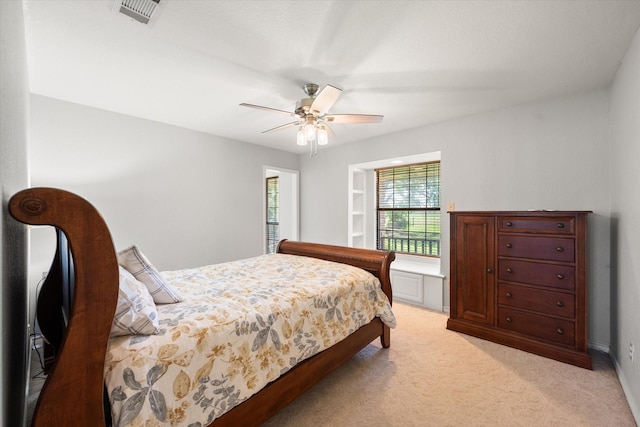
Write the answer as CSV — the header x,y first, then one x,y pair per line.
x,y
409,264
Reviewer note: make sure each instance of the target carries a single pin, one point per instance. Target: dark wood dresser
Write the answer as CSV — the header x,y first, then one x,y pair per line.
x,y
520,279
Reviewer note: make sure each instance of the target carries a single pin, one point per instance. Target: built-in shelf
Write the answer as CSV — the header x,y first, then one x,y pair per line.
x,y
357,204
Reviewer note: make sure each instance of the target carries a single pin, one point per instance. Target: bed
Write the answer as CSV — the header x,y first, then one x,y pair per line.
x,y
77,312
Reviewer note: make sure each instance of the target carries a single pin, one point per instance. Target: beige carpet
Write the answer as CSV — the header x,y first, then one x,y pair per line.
x,y
434,377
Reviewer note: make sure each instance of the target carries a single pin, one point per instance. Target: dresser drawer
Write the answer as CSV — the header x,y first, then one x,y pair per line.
x,y
536,273
548,248
546,328
522,224
546,302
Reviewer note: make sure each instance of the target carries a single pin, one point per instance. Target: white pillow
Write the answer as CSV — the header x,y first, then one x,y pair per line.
x,y
136,313
138,265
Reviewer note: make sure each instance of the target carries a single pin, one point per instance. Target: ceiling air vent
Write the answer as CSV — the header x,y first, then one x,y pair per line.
x,y
140,10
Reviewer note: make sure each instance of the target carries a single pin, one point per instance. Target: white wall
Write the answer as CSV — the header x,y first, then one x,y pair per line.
x,y
14,101
185,198
625,223
547,155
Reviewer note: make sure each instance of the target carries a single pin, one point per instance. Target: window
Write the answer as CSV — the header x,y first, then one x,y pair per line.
x,y
408,209
273,223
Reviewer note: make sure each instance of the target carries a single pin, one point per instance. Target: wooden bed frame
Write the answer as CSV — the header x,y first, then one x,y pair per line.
x,y
73,391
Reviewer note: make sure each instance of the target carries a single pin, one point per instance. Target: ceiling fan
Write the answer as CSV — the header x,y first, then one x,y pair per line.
x,y
313,115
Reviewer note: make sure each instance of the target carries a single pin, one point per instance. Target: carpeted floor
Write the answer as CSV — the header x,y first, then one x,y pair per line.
x,y
434,377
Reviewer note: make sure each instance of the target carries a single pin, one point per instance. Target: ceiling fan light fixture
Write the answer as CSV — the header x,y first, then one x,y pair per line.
x,y
310,131
323,136
300,138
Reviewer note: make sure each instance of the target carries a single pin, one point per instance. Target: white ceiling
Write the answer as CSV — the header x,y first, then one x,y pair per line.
x,y
415,62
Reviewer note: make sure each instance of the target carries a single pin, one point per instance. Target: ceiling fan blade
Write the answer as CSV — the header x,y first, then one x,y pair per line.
x,y
325,99
260,107
288,125
353,118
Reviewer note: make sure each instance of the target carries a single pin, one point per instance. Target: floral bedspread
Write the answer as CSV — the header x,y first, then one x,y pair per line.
x,y
241,325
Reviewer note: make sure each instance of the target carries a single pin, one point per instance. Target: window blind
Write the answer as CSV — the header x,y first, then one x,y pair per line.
x,y
408,208
273,216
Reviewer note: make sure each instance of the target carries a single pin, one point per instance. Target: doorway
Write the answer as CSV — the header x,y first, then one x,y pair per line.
x,y
280,212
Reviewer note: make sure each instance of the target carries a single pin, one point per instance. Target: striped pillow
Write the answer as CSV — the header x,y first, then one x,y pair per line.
x,y
138,265
136,313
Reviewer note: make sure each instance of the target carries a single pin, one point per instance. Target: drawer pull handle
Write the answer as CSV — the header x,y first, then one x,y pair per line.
x,y
509,319
509,245
559,331
560,225
560,249
560,276
509,270
509,224
508,295
559,303
489,270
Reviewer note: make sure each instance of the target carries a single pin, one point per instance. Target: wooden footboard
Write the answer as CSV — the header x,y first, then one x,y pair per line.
x,y
73,391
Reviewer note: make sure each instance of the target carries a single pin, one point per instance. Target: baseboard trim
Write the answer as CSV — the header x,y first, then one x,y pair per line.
x,y
599,347
633,405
